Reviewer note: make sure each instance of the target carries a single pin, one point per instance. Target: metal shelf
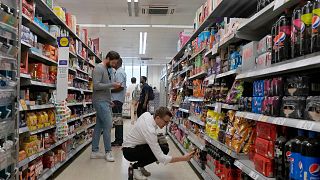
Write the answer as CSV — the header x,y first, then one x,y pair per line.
x,y
186,131
229,73
234,38
26,76
225,9
247,167
224,148
26,44
175,105
37,83
42,58
72,54
74,119
197,53
37,107
71,154
35,28
90,63
184,110
198,76
75,104
196,120
195,99
211,174
80,57
194,139
80,70
87,115
289,122
230,107
310,61
81,79
73,70
26,129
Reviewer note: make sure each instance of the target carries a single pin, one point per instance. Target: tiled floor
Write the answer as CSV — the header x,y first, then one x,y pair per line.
x,y
83,168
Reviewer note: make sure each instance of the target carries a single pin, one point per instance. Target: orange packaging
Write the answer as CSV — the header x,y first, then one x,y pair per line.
x,y
52,74
39,72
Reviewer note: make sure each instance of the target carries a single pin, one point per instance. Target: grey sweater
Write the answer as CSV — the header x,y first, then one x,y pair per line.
x,y
102,84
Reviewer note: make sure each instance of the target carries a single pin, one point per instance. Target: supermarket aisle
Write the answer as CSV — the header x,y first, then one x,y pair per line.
x,y
83,168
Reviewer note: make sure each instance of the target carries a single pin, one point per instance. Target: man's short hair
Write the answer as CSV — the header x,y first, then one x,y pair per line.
x,y
112,55
162,112
133,80
144,78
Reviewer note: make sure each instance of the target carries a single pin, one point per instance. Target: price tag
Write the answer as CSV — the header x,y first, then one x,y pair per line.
x,y
250,116
278,3
279,121
263,118
300,124
229,152
238,164
81,90
308,125
253,175
244,114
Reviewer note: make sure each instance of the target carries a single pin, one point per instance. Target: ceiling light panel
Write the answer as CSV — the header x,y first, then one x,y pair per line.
x,y
92,25
140,45
172,26
128,26
144,43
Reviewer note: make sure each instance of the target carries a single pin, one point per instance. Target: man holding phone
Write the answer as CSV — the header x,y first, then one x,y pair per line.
x,y
141,145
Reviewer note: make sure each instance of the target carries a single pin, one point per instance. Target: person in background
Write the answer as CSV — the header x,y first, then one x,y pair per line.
x,y
101,99
118,98
142,146
144,97
133,93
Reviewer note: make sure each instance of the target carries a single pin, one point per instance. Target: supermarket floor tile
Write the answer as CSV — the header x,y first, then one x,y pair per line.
x,y
83,168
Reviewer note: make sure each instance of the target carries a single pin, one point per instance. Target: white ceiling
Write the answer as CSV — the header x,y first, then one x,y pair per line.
x,y
161,42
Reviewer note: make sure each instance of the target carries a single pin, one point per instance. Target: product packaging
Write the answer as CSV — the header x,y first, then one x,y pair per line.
x,y
263,165
293,107
249,54
264,45
312,111
264,147
264,60
297,86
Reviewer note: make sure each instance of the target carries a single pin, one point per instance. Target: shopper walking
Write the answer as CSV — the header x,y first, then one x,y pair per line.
x,y
145,96
141,145
102,85
118,98
134,93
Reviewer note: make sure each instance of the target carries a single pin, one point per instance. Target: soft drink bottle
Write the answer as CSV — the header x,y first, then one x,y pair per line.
x,y
222,167
296,33
274,34
130,172
306,31
283,39
315,42
293,156
310,157
279,156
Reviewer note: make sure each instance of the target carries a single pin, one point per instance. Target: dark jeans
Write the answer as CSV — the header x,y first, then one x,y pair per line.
x,y
117,111
142,154
141,110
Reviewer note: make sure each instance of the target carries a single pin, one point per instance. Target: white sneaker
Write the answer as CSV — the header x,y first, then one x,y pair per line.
x,y
96,155
109,157
138,175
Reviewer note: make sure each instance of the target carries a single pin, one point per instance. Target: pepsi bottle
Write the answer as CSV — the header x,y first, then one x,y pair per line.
x,y
283,39
296,33
293,167
306,29
279,156
274,34
315,41
310,157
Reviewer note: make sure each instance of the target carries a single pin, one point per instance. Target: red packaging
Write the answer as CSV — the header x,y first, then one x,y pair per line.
x,y
252,151
69,20
263,165
39,72
218,166
235,174
266,131
264,147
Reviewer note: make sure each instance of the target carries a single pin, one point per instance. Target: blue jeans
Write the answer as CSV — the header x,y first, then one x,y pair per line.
x,y
117,110
104,122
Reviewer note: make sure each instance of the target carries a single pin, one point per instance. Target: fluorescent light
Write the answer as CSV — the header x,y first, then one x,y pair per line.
x,y
92,25
140,46
172,26
128,25
169,58
135,1
129,1
130,57
144,43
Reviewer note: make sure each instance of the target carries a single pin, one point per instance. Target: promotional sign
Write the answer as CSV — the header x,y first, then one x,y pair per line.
x,y
63,65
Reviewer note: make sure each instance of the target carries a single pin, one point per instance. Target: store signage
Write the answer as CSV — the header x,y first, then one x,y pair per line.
x,y
63,65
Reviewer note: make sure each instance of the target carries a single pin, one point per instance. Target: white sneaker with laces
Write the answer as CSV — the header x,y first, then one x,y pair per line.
x,y
109,157
96,155
138,175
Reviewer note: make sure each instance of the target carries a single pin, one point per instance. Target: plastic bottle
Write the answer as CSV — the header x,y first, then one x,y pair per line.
x,y
274,34
130,172
279,157
310,157
315,42
293,156
284,34
306,31
296,33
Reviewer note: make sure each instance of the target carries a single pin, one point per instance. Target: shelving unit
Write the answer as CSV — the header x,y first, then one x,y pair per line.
x,y
81,62
253,27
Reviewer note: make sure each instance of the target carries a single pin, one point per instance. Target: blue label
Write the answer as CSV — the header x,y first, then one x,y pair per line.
x,y
295,166
63,62
311,168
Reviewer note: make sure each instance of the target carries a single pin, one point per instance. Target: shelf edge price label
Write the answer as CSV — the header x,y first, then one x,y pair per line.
x,y
250,116
308,125
300,124
253,175
238,164
263,118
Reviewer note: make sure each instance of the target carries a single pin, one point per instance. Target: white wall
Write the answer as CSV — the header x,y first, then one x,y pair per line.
x,y
154,73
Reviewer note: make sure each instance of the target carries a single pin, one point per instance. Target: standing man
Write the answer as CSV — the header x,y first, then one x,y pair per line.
x,y
146,93
102,85
133,93
118,98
